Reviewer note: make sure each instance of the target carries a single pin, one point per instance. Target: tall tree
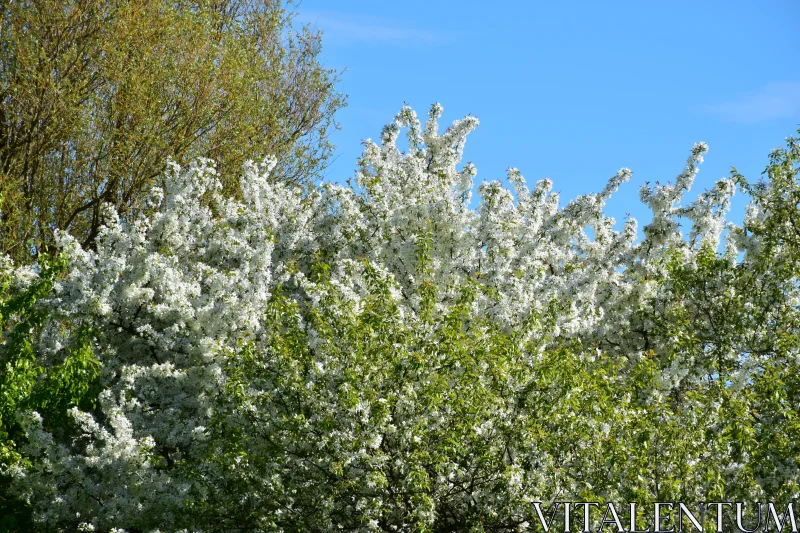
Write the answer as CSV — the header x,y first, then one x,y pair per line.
x,y
96,95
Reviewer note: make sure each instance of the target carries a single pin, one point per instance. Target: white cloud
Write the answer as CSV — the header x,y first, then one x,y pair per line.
x,y
350,29
776,100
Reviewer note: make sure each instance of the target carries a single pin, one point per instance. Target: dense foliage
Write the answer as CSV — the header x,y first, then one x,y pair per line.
x,y
384,357
96,94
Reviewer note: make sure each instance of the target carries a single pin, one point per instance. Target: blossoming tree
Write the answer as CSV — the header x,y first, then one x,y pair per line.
x,y
384,357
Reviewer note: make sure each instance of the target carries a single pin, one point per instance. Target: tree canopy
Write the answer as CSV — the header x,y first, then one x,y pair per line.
x,y
96,95
384,357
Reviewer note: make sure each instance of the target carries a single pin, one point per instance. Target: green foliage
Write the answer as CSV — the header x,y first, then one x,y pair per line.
x,y
26,384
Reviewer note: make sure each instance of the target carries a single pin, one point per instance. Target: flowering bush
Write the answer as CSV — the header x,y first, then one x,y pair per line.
x,y
383,357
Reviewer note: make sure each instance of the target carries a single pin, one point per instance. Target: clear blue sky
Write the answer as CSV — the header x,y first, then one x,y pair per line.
x,y
573,90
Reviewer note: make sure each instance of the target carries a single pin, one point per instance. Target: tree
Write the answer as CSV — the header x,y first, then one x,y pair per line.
x,y
384,357
96,95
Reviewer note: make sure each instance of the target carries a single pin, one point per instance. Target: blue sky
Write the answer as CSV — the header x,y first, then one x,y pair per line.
x,y
573,91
